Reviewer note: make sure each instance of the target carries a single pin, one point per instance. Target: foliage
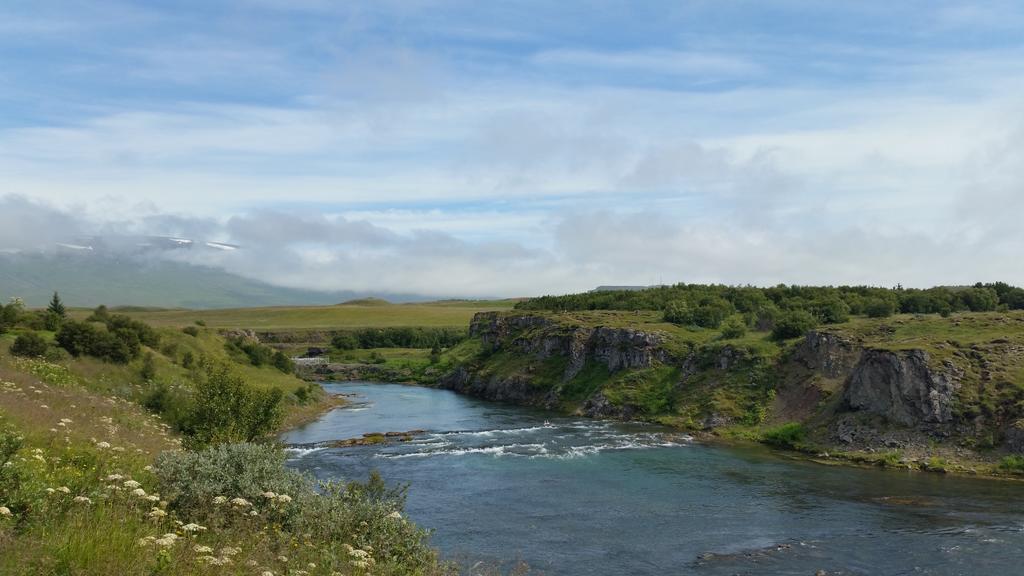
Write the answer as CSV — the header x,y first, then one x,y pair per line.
x,y
790,435
879,308
734,328
148,370
1013,464
191,331
398,337
29,344
793,324
226,409
57,307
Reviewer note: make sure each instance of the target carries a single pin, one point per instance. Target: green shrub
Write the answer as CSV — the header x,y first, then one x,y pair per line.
x,y
734,328
678,312
191,331
226,409
793,324
879,308
789,435
148,370
29,344
1013,464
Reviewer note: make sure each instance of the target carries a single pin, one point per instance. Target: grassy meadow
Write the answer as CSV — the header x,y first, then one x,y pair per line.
x,y
365,313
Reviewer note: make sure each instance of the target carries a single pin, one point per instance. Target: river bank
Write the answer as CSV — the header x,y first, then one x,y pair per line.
x,y
580,496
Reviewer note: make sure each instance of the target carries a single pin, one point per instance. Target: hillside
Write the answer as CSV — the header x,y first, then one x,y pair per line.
x,y
911,390
94,279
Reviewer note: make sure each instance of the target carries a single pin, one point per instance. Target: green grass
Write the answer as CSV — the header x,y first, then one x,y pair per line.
x,y
375,314
789,435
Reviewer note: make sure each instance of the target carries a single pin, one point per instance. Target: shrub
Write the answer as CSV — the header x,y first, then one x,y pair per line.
x,y
191,331
712,312
1013,464
789,435
832,311
282,362
678,312
148,370
793,324
734,328
879,308
229,410
29,344
83,338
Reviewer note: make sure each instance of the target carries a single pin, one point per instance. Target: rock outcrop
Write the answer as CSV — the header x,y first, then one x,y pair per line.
x,y
902,387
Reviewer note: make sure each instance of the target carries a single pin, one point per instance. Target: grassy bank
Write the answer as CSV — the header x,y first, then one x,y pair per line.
x,y
94,483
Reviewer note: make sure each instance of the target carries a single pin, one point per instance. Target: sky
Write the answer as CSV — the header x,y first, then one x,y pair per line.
x,y
522,148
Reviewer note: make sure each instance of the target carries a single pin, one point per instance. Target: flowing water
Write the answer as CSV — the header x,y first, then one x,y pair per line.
x,y
573,496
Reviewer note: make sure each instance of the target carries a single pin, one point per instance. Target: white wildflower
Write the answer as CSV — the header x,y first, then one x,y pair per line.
x,y
269,495
139,492
156,513
283,558
103,445
396,515
64,489
192,527
229,551
198,549
284,498
115,478
242,502
5,511
83,500
131,484
218,500
146,541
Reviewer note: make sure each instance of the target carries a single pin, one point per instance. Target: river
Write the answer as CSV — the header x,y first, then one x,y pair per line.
x,y
573,496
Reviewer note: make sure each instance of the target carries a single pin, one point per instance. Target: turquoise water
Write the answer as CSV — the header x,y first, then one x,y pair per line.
x,y
573,496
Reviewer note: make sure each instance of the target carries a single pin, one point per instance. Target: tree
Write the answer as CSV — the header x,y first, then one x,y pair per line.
x,y
29,344
678,312
227,409
57,307
793,324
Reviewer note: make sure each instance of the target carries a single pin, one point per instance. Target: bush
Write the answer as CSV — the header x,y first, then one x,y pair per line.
x,y
84,338
879,308
1013,464
282,362
333,514
148,370
229,410
678,312
793,324
734,328
191,331
29,344
712,312
789,435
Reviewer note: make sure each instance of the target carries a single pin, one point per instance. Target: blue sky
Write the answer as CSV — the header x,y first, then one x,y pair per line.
x,y
483,148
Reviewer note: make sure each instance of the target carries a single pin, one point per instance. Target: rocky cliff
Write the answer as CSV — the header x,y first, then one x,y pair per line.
x,y
838,384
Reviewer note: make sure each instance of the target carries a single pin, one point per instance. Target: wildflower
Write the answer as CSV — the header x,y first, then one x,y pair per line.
x,y
115,478
148,468
269,495
251,563
103,445
156,513
83,500
192,527
131,484
146,541
5,511
218,500
202,549
242,502
283,559
284,498
66,421
229,551
311,566
139,492
167,540
396,515
64,489
267,573
153,498
253,513
50,490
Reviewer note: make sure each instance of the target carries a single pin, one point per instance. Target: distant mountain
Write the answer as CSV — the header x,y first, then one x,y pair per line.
x,y
88,278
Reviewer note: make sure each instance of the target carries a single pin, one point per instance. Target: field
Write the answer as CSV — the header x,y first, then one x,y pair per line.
x,y
358,314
